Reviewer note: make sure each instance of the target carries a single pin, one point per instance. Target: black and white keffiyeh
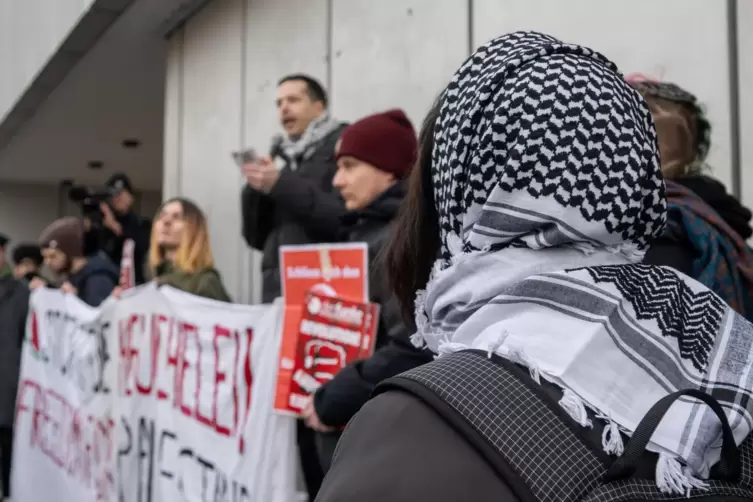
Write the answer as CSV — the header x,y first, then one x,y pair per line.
x,y
549,191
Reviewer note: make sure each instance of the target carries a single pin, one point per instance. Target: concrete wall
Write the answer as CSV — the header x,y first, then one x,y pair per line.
x,y
26,209
745,50
30,32
224,64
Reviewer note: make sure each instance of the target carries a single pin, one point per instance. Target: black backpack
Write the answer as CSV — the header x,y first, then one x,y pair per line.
x,y
518,427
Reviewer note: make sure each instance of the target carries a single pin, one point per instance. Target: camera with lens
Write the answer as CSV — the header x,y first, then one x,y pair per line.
x,y
89,202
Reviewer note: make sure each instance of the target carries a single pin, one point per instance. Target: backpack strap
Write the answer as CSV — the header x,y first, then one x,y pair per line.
x,y
632,489
496,406
518,426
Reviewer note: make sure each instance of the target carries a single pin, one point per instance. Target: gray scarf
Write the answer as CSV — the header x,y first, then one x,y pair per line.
x,y
301,149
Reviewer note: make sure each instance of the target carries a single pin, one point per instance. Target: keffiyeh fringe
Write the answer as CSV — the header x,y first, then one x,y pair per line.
x,y
548,190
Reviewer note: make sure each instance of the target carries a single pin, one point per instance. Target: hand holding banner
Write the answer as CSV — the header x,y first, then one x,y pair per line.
x,y
158,396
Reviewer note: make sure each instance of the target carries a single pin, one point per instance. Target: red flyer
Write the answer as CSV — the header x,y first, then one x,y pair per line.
x,y
335,270
127,266
333,333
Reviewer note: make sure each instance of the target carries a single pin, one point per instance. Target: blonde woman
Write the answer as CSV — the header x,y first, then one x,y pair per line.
x,y
180,253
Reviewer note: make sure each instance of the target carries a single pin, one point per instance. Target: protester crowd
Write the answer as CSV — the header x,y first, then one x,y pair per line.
x,y
522,183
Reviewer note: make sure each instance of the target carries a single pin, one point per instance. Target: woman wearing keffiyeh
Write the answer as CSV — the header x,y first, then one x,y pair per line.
x,y
537,193
703,219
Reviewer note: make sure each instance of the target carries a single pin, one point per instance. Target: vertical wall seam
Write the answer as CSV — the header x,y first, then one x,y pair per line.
x,y
244,263
733,52
178,188
470,27
244,68
329,45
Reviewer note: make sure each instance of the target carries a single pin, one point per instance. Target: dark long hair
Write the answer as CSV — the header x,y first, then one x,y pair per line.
x,y
415,242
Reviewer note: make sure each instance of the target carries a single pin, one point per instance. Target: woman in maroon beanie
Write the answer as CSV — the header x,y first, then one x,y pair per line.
x,y
374,156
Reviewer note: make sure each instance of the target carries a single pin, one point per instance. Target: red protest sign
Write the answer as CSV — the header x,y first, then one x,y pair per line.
x,y
127,266
335,270
333,333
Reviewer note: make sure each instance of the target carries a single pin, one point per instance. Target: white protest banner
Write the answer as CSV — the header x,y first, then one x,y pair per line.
x,y
64,438
195,402
181,389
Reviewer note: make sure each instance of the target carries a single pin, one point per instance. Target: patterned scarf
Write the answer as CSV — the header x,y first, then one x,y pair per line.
x,y
724,262
298,150
548,188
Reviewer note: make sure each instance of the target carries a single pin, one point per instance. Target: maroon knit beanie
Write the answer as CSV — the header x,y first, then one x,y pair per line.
x,y
385,140
65,234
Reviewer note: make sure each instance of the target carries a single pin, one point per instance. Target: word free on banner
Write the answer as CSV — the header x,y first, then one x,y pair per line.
x,y
158,396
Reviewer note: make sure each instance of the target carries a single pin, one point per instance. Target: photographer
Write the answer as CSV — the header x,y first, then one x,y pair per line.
x,y
119,222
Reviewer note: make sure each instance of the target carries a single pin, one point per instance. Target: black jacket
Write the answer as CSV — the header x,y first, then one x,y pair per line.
x,y
133,227
680,256
727,206
337,401
396,434
96,280
669,253
302,208
14,307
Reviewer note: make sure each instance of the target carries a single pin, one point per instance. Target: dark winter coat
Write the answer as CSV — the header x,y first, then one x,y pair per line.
x,y
667,251
727,206
96,280
397,449
340,399
137,229
14,307
302,208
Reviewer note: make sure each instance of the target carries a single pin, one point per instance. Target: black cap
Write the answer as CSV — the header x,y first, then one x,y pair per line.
x,y
3,240
117,183
30,252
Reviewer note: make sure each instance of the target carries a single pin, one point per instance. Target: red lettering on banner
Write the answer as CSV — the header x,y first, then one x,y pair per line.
x,y
53,421
21,406
172,361
81,447
128,349
34,331
248,380
219,377
184,364
91,451
236,411
79,466
125,360
157,321
146,369
203,419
